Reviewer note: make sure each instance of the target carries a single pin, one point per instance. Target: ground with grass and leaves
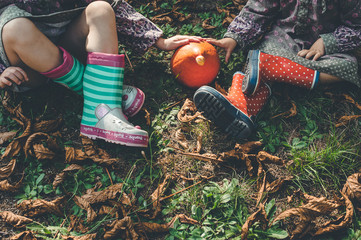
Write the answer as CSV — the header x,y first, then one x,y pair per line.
x,y
296,178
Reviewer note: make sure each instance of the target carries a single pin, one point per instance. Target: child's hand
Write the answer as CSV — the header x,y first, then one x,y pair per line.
x,y
12,75
174,42
228,44
316,51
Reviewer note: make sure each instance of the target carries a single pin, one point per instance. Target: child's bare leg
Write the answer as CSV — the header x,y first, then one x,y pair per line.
x,y
93,31
327,78
28,48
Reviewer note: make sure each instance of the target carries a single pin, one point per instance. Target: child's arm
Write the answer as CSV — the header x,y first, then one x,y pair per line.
x,y
174,42
347,36
252,22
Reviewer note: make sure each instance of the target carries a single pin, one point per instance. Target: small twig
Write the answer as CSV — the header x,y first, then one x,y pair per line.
x,y
184,189
62,224
110,178
174,104
130,63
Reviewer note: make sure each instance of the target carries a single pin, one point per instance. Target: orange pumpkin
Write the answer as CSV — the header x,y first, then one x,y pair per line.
x,y
195,64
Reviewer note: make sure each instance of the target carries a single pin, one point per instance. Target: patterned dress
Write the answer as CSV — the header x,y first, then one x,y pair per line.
x,y
284,27
52,18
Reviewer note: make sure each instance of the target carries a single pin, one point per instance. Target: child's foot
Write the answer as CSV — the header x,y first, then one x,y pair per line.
x,y
224,114
114,127
133,100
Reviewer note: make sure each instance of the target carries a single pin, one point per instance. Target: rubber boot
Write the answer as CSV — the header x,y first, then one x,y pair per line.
x,y
102,112
267,68
235,112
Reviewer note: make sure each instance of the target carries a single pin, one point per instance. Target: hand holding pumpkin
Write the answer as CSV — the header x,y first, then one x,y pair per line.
x,y
175,42
228,44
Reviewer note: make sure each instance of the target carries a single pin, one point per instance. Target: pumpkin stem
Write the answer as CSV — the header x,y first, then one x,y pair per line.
x,y
200,60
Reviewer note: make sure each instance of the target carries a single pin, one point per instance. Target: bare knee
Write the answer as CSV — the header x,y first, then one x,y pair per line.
x,y
99,11
18,31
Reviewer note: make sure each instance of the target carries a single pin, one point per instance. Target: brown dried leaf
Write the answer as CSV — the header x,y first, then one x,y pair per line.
x,y
206,25
6,136
157,194
27,235
276,184
6,171
290,113
77,225
307,213
91,214
84,237
352,187
268,158
248,147
199,142
123,225
185,114
147,117
351,100
16,220
47,126
34,146
340,223
7,187
59,178
259,216
110,193
32,208
181,139
346,119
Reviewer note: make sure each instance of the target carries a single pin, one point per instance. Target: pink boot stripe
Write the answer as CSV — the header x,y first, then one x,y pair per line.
x,y
63,69
106,59
121,138
136,105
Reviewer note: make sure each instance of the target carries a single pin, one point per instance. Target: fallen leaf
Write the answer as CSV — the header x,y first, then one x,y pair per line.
x,y
157,194
6,171
60,177
26,235
341,223
16,220
6,136
268,158
181,139
315,207
290,113
185,113
248,146
259,216
91,214
84,237
32,208
352,188
199,142
125,225
7,187
346,119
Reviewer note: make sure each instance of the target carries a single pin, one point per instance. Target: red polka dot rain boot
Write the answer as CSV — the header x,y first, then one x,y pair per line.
x,y
265,67
235,112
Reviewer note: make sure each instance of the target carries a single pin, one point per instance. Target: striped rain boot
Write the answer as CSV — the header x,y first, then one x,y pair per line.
x,y
235,112
265,67
102,112
69,73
